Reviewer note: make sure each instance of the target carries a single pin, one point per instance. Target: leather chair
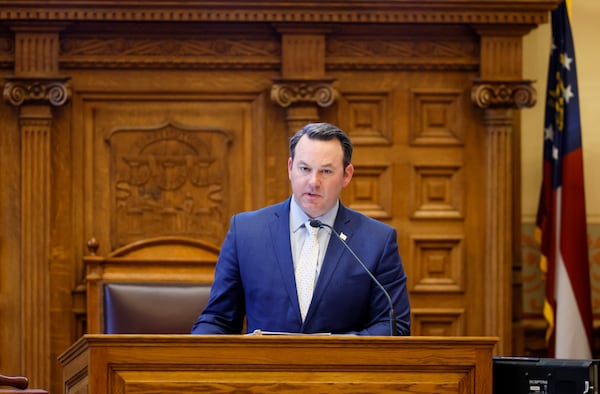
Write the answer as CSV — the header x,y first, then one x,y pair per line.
x,y
152,308
17,384
153,286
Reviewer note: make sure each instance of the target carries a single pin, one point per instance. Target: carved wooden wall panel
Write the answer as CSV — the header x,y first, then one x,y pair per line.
x,y
436,117
438,321
164,118
168,179
166,168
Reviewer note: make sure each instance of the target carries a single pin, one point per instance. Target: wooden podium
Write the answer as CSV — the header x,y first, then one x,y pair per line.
x,y
277,364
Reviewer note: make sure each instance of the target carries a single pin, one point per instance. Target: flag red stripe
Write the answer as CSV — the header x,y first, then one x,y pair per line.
x,y
573,241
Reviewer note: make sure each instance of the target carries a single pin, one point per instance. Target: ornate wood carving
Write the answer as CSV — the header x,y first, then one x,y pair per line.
x,y
168,180
300,98
286,92
339,11
493,94
54,91
212,50
403,49
303,83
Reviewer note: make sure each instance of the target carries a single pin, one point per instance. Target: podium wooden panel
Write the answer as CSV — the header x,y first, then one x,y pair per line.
x,y
277,364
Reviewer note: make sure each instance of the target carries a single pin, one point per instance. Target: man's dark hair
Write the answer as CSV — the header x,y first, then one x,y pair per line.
x,y
325,132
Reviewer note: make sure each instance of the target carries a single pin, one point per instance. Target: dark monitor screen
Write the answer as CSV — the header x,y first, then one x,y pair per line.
x,y
522,375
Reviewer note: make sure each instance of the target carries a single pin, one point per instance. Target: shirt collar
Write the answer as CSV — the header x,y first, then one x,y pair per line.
x,y
298,217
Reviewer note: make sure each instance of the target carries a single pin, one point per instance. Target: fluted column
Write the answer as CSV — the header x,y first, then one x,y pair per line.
x,y
35,203
303,86
499,91
498,99
35,88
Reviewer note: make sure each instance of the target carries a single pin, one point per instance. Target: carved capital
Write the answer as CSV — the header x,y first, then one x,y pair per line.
x,y
287,92
503,94
55,91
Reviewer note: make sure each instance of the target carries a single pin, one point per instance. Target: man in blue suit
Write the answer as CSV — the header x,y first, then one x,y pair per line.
x,y
255,275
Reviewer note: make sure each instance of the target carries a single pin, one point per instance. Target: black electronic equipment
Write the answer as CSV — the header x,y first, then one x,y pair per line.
x,y
524,375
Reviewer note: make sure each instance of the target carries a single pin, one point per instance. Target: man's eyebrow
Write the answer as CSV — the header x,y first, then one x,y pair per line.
x,y
327,165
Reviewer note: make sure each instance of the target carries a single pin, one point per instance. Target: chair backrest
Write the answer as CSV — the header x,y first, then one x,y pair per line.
x,y
154,286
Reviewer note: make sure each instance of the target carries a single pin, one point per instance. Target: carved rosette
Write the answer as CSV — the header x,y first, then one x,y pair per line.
x,y
501,94
289,92
55,91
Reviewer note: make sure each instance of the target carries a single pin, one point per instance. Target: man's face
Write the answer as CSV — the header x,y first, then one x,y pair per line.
x,y
317,174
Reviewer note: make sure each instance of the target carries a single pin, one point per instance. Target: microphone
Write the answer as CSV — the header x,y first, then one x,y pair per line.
x,y
320,224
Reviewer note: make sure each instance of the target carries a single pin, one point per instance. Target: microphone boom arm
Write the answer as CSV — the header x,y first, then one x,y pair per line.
x,y
318,223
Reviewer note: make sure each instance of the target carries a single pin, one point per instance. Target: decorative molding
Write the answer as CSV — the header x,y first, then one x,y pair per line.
x,y
198,54
287,92
437,321
502,94
233,52
54,91
437,12
434,119
7,51
501,54
370,191
303,54
436,192
394,53
437,264
366,117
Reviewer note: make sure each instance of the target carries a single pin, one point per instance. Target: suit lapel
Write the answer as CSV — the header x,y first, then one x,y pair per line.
x,y
332,258
280,238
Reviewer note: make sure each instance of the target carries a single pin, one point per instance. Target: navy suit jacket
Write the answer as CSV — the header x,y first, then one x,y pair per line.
x,y
254,278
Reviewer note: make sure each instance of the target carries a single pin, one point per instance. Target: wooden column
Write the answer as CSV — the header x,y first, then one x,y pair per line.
x,y
35,87
303,86
499,92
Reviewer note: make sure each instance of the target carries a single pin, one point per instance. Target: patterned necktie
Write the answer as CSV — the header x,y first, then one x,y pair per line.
x,y
306,269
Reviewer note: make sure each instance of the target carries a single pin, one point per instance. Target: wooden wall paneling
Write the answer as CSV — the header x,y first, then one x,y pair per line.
x,y
396,76
403,100
410,117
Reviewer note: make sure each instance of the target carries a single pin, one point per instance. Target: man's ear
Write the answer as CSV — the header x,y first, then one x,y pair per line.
x,y
348,172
